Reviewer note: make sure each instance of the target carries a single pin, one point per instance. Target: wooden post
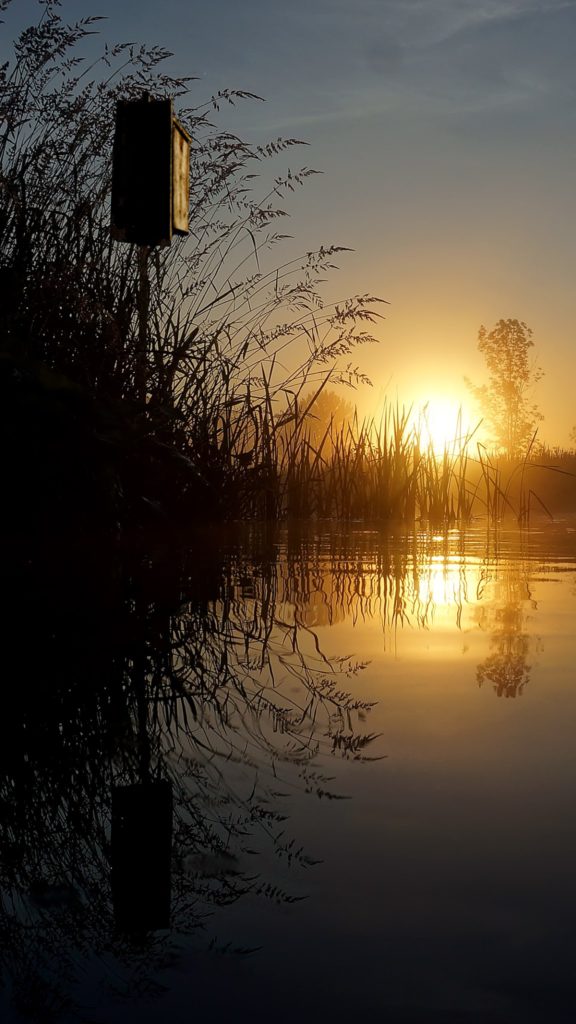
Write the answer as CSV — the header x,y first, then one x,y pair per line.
x,y
141,362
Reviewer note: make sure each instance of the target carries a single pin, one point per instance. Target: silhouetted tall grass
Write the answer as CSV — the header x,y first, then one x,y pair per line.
x,y
223,311
225,430
381,471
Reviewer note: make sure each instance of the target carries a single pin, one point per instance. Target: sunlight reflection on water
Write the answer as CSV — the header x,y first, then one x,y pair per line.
x,y
446,891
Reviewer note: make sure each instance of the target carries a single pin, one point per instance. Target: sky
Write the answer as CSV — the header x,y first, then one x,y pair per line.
x,y
446,134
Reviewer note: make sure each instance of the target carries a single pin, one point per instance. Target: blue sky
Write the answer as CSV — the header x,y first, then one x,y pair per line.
x,y
446,131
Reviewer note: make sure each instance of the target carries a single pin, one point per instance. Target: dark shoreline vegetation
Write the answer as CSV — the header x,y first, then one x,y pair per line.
x,y
219,322
78,467
131,654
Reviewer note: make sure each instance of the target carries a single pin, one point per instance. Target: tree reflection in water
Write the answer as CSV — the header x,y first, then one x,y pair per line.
x,y
504,618
145,685
362,576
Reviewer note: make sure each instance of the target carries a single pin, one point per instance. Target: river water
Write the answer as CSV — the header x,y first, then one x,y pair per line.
x,y
372,756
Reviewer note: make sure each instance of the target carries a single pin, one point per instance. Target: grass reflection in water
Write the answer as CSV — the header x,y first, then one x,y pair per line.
x,y
131,676
208,671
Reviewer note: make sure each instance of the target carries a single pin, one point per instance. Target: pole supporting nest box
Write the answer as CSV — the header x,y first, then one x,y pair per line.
x,y
150,173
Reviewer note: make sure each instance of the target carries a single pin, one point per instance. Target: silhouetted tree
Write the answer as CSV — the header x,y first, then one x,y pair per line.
x,y
328,413
506,399
317,417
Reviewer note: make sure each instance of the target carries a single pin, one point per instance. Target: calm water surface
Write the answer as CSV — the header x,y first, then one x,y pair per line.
x,y
439,804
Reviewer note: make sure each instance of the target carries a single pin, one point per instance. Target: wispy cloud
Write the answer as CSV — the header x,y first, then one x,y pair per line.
x,y
441,56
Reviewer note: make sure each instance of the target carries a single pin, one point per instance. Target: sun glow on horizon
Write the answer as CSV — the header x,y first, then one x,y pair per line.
x,y
443,424
436,422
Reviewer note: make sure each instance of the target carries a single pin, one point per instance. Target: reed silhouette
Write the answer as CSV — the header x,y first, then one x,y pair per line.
x,y
184,418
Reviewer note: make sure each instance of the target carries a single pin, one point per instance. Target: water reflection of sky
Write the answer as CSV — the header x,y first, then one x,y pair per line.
x,y
446,891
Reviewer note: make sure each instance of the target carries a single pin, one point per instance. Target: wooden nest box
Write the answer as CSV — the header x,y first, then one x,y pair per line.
x,y
150,173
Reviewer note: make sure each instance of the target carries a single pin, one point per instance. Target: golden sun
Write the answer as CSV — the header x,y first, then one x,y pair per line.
x,y
441,424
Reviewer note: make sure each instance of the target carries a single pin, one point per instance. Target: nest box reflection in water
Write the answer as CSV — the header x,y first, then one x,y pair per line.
x,y
141,855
